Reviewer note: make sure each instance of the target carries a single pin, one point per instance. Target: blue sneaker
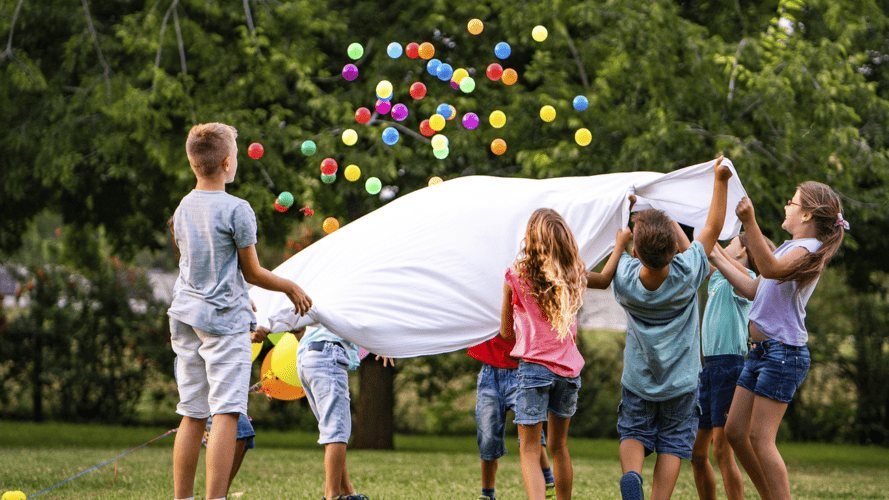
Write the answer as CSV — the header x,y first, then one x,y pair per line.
x,y
631,486
356,496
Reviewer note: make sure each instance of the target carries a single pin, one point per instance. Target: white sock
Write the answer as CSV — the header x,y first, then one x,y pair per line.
x,y
189,498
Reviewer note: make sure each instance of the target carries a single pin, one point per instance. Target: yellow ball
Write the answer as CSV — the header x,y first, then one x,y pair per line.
x,y
350,137
352,173
384,89
439,141
14,495
459,75
497,119
539,33
548,113
583,136
498,146
435,180
330,225
475,26
437,122
284,359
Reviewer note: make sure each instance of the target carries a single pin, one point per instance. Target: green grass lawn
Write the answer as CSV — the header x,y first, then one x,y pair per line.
x,y
290,465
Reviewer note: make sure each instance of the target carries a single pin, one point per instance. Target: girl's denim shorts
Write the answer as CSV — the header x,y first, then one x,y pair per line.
x,y
774,369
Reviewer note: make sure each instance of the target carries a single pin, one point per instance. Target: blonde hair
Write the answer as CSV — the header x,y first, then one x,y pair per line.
x,y
208,145
550,263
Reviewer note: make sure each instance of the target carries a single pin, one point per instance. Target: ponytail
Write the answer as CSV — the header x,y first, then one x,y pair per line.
x,y
827,215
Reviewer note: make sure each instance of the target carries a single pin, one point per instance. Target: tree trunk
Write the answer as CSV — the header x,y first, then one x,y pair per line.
x,y
374,425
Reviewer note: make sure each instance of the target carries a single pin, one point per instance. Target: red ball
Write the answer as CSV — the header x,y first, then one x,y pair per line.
x,y
494,71
418,90
425,129
412,50
255,151
362,115
328,166
280,208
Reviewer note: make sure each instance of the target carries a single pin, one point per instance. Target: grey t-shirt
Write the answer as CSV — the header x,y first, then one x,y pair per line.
x,y
211,293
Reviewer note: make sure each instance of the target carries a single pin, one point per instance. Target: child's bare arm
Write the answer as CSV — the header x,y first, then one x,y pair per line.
x,y
681,238
257,275
769,266
716,216
735,273
506,320
602,280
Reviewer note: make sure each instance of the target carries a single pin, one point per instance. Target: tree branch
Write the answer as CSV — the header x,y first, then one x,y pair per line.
x,y
179,40
577,58
741,16
731,83
250,25
8,52
160,43
817,87
106,71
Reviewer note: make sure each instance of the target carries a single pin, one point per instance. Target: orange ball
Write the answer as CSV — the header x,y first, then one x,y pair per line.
x,y
435,180
427,50
498,146
475,26
330,225
509,76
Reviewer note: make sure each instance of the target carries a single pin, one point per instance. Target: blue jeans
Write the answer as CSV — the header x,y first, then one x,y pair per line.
x,y
542,391
775,370
663,426
495,395
718,380
325,378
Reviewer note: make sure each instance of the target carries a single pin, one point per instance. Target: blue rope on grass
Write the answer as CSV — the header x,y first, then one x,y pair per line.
x,y
105,462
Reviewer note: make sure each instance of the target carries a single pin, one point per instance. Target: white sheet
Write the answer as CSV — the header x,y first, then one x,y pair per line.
x,y
424,274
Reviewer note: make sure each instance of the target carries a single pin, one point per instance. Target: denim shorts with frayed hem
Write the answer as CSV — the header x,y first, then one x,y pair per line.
x,y
775,370
495,395
717,388
542,391
325,378
667,427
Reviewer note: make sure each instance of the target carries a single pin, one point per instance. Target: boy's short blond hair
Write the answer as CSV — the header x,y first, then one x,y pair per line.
x,y
208,145
653,238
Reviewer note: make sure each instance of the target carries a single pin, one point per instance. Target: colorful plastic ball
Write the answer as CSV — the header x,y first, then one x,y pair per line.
x,y
497,119
329,166
583,136
547,113
427,50
432,66
394,50
494,71
444,110
350,72
439,141
454,84
475,26
498,146
412,50
387,99
362,115
441,154
330,225
255,151
434,180
373,185
467,85
425,129
502,50
384,89
445,72
280,207
382,106
581,103
355,51
285,199
328,179
453,112
470,121
437,122
509,76
14,495
418,90
390,136
539,33
350,137
308,148
459,75
399,112
352,173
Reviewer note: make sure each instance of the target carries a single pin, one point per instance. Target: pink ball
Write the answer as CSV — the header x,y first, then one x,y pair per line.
x,y
399,112
350,72
383,107
470,120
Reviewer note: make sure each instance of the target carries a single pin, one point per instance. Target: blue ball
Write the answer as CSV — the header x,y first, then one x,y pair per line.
x,y
386,98
432,66
445,72
444,110
390,136
502,50
581,103
394,50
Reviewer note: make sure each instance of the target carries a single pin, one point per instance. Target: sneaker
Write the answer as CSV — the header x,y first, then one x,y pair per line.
x,y
484,497
356,496
631,486
551,491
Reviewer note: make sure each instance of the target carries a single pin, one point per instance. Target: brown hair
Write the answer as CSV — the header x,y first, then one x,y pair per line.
x,y
551,264
208,145
751,263
826,209
654,238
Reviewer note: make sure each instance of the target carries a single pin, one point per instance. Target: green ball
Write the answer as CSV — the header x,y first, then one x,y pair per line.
x,y
328,179
442,153
467,84
356,51
308,148
373,185
285,199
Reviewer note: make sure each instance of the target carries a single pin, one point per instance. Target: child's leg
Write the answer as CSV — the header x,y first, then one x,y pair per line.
x,y
632,455
544,460
725,458
558,446
767,413
489,473
186,450
529,455
666,472
240,451
705,479
345,484
334,469
737,430
221,453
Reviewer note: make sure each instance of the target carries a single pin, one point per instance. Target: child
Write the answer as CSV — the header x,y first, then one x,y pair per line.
x,y
658,290
211,316
495,395
541,296
723,346
779,359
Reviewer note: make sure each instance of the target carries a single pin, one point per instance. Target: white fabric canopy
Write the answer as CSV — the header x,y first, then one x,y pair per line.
x,y
424,274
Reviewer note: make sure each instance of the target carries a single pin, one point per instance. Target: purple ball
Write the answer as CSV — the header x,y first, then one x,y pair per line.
x,y
470,120
399,112
455,85
350,72
383,107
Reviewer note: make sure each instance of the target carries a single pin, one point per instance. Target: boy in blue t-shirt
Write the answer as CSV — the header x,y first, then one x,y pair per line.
x,y
657,287
211,315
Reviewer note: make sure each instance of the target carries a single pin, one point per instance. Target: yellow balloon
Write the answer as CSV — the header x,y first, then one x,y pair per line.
x,y
583,136
384,89
437,122
350,137
257,346
539,33
284,360
548,113
353,173
275,337
498,119
459,75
